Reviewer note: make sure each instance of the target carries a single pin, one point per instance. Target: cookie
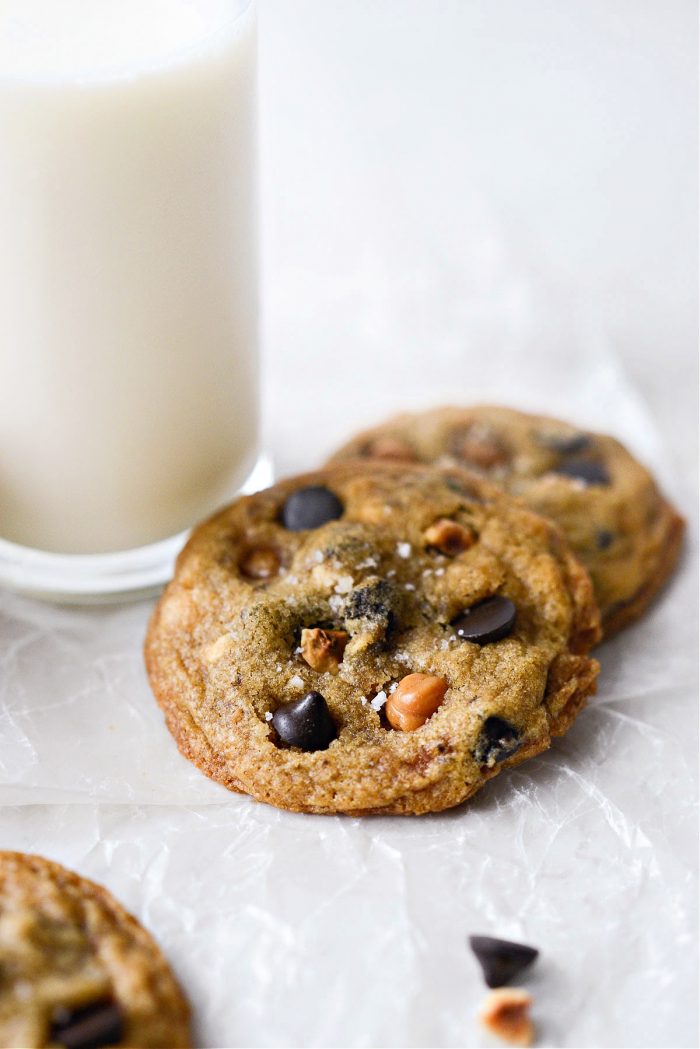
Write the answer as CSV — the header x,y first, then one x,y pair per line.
x,y
76,970
371,638
607,504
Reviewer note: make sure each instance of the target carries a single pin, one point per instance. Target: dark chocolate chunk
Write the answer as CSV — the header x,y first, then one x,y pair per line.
x,y
305,723
488,620
501,960
310,507
586,470
89,1026
498,740
603,538
566,443
371,602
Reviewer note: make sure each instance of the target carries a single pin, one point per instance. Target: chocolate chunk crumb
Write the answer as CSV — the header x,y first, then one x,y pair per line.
x,y
501,960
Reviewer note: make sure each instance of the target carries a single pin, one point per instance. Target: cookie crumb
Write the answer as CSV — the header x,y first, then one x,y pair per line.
x,y
506,1014
403,550
295,682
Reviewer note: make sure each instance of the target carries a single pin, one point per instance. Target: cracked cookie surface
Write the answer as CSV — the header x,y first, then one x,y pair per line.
x,y
607,504
227,650
76,969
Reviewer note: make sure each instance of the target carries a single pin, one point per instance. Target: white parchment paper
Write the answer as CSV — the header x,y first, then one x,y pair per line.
x,y
313,931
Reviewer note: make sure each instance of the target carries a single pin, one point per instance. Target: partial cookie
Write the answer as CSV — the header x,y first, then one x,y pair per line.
x,y
76,970
371,638
613,515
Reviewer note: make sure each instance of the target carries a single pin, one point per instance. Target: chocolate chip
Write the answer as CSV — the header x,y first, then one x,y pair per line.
x,y
566,443
585,470
501,960
488,620
498,740
89,1026
310,507
305,723
603,538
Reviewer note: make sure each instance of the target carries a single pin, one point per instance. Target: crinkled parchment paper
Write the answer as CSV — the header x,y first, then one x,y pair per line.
x,y
313,931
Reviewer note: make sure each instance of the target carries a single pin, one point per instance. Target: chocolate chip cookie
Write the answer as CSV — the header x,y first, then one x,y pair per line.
x,y
372,638
76,970
607,504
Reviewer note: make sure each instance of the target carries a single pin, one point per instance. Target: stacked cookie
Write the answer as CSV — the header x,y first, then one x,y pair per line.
x,y
78,970
388,633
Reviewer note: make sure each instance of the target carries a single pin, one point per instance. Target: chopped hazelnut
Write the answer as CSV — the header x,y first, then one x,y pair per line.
x,y
416,698
449,537
260,562
482,449
323,649
386,447
217,649
505,1013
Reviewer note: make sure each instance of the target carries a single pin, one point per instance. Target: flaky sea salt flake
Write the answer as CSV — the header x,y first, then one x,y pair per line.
x,y
378,701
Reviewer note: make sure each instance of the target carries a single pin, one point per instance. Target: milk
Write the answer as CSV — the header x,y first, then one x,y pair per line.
x,y
128,297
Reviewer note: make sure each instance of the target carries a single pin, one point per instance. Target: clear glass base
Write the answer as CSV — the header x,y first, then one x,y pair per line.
x,y
101,578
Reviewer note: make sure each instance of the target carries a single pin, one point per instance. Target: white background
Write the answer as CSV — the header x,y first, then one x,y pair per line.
x,y
459,199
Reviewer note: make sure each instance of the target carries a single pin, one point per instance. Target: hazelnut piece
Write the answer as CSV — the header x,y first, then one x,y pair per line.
x,y
417,697
449,537
260,562
323,649
505,1013
386,447
481,447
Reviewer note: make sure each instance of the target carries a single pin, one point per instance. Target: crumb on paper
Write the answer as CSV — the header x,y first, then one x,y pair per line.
x,y
505,1013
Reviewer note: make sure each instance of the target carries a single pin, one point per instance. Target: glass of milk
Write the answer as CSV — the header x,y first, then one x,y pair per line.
x,y
128,284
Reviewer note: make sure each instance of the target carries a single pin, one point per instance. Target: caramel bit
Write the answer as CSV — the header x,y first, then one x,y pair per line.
x,y
449,537
505,1013
261,562
386,447
482,448
323,649
417,698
